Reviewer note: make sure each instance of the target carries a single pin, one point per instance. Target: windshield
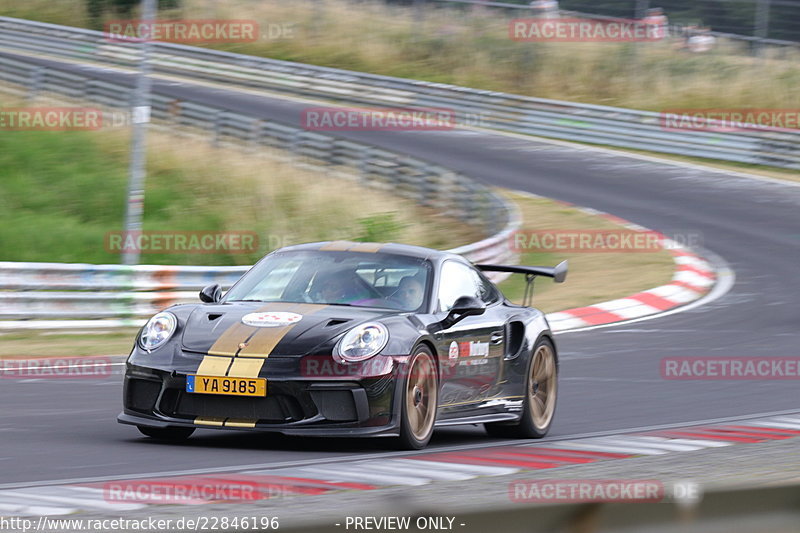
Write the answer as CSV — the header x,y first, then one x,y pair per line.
x,y
337,278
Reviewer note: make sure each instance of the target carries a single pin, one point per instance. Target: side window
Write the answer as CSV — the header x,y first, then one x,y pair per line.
x,y
459,280
489,293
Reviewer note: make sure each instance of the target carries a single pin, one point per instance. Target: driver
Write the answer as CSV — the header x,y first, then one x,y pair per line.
x,y
335,287
409,293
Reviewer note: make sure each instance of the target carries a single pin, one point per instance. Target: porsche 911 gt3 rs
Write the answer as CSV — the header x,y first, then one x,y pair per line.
x,y
348,339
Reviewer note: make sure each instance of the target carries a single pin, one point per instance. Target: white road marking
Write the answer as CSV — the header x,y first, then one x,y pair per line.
x,y
66,496
344,474
468,469
7,509
393,468
627,308
656,443
777,425
789,419
693,278
700,443
593,446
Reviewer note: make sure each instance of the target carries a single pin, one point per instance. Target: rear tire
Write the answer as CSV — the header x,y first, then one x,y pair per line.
x,y
541,388
167,434
420,400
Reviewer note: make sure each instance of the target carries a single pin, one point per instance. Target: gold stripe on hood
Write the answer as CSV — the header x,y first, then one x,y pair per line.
x,y
228,342
337,246
212,365
349,246
366,247
245,367
264,341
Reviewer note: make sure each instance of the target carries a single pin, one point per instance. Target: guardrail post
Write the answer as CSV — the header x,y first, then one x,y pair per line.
x,y
174,112
256,129
294,144
35,83
87,89
761,25
363,165
217,129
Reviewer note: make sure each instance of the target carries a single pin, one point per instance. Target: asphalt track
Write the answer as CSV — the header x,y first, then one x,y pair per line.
x,y
610,380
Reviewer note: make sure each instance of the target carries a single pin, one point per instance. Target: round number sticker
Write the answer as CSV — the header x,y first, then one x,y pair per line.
x,y
271,319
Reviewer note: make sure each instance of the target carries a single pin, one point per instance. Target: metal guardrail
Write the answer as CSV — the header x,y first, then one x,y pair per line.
x,y
57,295
610,126
54,296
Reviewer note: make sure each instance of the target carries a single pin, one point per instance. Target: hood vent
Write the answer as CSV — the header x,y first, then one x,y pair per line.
x,y
213,316
337,322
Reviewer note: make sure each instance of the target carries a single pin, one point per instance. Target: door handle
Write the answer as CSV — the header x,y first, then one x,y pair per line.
x,y
496,338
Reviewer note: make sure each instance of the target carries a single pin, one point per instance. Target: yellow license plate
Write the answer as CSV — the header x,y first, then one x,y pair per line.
x,y
226,385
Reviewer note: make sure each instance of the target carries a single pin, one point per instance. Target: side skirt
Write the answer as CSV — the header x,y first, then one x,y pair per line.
x,y
498,417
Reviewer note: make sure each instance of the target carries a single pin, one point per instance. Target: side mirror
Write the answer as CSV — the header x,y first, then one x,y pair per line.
x,y
462,308
211,294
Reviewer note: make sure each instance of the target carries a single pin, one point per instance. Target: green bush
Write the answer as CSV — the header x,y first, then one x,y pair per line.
x,y
383,227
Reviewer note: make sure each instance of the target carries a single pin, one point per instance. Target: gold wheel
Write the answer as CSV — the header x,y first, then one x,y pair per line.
x,y
421,396
542,386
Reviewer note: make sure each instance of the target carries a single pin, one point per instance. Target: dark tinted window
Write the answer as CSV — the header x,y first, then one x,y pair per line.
x,y
337,278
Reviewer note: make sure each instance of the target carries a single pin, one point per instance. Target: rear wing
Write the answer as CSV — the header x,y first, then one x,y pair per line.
x,y
558,273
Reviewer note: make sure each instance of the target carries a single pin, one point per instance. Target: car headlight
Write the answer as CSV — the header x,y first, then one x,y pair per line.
x,y
362,342
157,331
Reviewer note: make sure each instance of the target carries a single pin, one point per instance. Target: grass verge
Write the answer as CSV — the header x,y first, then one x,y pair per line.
x,y
62,193
26,344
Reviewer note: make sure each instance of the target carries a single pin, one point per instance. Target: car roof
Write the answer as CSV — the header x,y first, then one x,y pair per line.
x,y
373,247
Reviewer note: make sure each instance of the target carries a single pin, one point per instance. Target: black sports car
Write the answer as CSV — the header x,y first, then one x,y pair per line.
x,y
348,339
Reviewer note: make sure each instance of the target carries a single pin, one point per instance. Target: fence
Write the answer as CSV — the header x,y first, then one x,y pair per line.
x,y
44,295
779,16
595,124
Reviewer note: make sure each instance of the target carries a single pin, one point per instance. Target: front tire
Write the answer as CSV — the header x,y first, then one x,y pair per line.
x,y
541,388
420,401
167,434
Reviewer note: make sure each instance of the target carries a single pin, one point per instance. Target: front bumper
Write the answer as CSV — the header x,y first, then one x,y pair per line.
x,y
294,405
